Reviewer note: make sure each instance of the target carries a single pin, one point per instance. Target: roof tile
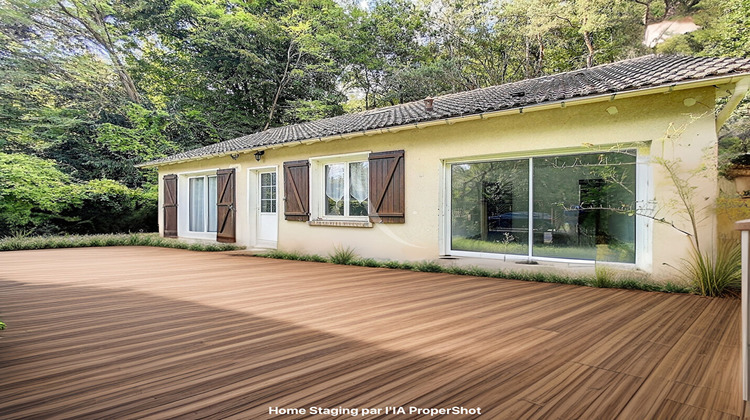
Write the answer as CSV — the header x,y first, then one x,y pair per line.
x,y
642,72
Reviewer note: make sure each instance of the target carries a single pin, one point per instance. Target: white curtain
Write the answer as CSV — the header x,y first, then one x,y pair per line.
x,y
197,195
335,182
359,180
212,210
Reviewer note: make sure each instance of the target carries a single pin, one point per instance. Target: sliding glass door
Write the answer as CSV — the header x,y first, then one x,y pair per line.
x,y
574,206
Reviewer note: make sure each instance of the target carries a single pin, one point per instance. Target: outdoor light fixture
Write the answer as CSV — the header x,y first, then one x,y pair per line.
x,y
258,155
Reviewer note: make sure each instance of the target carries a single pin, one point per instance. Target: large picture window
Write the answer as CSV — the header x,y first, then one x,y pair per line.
x,y
202,204
575,206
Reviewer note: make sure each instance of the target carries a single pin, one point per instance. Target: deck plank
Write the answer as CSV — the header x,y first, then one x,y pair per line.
x,y
133,332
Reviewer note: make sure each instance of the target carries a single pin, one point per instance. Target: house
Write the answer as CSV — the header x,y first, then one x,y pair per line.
x,y
657,33
570,168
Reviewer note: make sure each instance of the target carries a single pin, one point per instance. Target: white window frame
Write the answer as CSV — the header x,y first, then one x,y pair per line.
x,y
183,205
644,194
273,201
318,185
206,199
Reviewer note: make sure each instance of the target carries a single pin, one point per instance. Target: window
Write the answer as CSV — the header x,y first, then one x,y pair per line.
x,y
346,189
575,206
354,190
268,192
202,204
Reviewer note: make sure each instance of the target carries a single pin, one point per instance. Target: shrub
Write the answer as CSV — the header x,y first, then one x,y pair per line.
x,y
602,277
712,274
366,262
106,206
347,256
478,272
391,264
315,258
18,242
37,197
454,269
670,287
342,256
33,192
428,267
284,255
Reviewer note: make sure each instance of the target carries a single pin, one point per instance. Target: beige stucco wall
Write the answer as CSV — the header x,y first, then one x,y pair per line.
x,y
644,120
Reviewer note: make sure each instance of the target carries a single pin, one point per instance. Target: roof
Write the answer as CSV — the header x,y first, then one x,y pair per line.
x,y
650,71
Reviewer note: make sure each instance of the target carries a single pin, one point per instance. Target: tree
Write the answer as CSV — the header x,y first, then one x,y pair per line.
x,y
242,68
33,192
482,39
382,42
594,20
72,26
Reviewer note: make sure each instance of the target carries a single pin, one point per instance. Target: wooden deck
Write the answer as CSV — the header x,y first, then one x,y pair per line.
x,y
107,333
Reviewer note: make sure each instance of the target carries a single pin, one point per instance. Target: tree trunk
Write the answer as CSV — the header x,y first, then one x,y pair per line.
x,y
540,62
282,84
590,47
646,16
527,62
128,84
105,41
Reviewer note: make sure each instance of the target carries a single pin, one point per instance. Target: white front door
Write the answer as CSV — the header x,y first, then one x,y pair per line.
x,y
267,216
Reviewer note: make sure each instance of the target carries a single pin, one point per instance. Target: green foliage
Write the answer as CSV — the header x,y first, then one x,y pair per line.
x,y
107,206
35,195
283,255
732,36
2,325
395,265
723,30
233,71
428,267
22,242
670,287
634,284
715,273
459,271
33,192
144,136
366,262
342,255
604,276
292,255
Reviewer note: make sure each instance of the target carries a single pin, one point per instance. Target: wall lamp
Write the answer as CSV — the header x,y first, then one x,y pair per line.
x,y
259,154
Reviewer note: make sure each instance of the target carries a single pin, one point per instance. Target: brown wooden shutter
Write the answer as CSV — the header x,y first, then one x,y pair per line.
x,y
297,190
225,180
170,206
387,197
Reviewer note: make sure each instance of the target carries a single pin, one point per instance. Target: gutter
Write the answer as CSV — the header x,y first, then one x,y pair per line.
x,y
740,90
683,85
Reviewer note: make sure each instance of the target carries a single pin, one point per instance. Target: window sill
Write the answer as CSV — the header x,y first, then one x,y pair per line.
x,y
341,223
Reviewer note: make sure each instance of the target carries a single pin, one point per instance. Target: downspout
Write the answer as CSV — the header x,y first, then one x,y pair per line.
x,y
740,89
